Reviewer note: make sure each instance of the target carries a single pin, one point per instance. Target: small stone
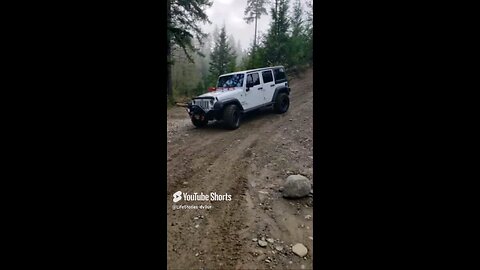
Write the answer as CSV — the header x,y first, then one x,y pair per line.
x,y
195,218
308,228
308,217
267,261
302,266
196,226
311,238
279,248
196,254
290,262
300,250
270,240
262,243
185,183
262,195
254,239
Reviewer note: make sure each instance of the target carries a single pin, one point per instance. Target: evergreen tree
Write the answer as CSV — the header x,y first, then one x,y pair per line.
x,y
298,41
309,31
254,10
276,43
240,54
297,20
222,59
183,25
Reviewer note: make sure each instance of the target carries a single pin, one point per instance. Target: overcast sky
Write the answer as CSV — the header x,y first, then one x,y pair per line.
x,y
231,12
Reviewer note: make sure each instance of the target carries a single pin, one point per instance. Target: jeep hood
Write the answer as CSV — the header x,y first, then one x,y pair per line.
x,y
223,93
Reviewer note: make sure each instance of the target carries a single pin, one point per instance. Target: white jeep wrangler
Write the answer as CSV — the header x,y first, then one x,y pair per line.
x,y
240,92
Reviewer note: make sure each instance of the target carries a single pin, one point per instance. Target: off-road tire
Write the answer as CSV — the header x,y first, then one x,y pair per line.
x,y
282,103
199,123
231,116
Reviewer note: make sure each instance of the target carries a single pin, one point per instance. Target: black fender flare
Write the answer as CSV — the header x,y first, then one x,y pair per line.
x,y
220,105
280,89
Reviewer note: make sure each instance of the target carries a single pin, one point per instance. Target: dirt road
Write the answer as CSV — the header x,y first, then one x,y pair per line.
x,y
250,163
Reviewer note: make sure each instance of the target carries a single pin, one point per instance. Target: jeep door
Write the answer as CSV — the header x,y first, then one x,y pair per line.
x,y
268,85
253,91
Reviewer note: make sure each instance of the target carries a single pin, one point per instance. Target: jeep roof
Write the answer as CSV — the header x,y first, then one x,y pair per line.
x,y
250,70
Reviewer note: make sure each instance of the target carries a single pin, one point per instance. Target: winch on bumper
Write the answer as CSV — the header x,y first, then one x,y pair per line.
x,y
197,112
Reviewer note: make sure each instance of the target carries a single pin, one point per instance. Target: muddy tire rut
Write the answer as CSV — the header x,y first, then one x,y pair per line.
x,y
250,163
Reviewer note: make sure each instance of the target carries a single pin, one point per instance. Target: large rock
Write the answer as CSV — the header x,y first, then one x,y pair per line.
x,y
296,186
300,250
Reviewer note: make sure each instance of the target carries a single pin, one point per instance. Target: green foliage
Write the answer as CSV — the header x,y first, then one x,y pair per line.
x,y
200,89
254,10
184,20
309,32
277,39
223,57
299,40
289,40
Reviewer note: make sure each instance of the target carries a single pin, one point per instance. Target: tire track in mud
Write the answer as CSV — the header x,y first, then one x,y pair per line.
x,y
220,230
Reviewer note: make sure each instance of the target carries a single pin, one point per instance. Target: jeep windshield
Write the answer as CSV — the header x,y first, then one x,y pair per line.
x,y
234,80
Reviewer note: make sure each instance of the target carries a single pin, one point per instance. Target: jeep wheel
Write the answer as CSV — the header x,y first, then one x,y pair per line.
x,y
282,102
231,117
199,123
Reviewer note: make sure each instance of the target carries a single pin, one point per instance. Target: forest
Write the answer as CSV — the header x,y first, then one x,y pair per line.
x,y
195,59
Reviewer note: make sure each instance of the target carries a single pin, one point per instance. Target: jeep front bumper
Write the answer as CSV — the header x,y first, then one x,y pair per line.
x,y
197,112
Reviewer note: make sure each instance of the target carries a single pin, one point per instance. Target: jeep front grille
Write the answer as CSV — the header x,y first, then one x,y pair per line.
x,y
203,103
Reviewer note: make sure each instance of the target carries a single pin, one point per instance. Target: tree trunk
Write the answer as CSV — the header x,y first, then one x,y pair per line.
x,y
169,72
276,21
169,55
255,37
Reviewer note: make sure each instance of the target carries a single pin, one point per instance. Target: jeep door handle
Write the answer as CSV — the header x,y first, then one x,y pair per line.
x,y
260,88
272,85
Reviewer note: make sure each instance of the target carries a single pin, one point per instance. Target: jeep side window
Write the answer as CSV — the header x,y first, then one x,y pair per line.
x,y
279,74
253,79
267,76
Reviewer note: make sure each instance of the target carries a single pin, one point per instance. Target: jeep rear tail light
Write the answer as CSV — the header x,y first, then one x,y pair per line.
x,y
211,89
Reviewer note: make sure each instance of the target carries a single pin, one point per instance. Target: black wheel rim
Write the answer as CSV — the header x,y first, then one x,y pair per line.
x,y
284,103
236,118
